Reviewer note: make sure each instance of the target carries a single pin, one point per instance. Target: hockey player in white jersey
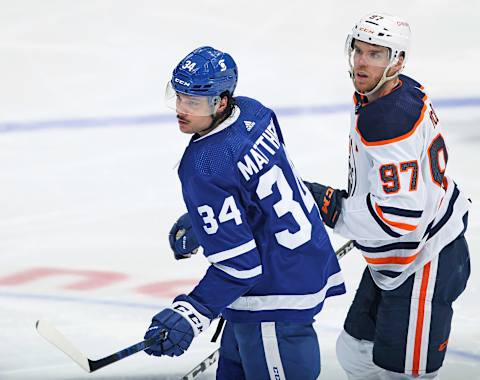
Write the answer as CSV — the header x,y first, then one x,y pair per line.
x,y
405,214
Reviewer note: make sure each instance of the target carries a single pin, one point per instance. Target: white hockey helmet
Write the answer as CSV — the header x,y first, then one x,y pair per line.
x,y
385,30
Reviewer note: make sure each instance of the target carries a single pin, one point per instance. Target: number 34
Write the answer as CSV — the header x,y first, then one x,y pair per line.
x,y
286,204
228,212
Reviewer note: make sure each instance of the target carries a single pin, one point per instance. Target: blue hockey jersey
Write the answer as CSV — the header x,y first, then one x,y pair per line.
x,y
271,258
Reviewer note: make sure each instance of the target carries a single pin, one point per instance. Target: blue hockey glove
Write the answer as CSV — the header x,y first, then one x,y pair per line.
x,y
329,201
176,326
182,239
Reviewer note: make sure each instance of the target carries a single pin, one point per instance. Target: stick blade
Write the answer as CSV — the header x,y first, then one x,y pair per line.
x,y
55,337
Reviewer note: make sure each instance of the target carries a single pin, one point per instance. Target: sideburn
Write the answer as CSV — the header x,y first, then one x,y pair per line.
x,y
219,118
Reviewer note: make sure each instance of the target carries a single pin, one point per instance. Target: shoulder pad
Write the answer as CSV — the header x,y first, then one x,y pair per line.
x,y
252,109
409,82
393,117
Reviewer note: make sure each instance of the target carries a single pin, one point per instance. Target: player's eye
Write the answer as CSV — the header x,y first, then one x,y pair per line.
x,y
193,104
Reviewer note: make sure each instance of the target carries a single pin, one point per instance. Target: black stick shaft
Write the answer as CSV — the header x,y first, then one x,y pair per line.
x,y
100,363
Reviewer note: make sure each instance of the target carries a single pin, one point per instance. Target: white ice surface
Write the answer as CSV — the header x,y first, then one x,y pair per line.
x,y
103,198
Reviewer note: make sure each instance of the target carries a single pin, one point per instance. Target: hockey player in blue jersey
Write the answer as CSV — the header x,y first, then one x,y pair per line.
x,y
406,215
272,264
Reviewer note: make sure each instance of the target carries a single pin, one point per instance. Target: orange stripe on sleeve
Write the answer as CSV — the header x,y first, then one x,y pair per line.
x,y
403,226
391,259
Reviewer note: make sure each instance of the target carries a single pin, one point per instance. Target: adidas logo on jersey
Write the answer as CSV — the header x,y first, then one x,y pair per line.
x,y
249,125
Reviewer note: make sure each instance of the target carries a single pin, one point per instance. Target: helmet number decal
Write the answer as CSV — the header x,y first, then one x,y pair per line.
x,y
376,17
189,65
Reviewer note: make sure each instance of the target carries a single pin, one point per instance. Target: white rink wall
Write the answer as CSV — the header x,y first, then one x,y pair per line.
x,y
112,57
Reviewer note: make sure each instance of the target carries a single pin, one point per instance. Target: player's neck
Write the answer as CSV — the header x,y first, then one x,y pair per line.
x,y
207,130
217,120
385,89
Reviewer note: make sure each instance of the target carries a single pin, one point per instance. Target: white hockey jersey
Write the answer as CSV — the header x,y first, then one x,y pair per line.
x,y
402,208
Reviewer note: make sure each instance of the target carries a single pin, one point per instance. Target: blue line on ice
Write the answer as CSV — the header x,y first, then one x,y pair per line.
x,y
106,121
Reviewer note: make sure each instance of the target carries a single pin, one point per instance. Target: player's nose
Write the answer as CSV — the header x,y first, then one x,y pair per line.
x,y
182,113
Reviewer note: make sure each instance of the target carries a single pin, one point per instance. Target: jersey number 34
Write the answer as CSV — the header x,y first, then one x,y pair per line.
x,y
286,204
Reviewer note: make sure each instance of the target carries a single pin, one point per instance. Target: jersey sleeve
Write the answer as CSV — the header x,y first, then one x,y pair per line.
x,y
219,221
396,199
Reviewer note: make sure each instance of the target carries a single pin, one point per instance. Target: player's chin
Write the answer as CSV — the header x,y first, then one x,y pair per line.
x,y
363,87
184,126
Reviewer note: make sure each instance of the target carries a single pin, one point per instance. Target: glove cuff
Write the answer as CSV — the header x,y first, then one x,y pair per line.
x,y
196,319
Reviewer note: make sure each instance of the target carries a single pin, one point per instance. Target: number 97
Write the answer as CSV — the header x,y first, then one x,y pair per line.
x,y
391,179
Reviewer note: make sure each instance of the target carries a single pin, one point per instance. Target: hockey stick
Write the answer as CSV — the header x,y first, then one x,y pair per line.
x,y
56,338
344,249
213,357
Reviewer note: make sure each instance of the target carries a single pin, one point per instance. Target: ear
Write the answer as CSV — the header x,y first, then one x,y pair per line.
x,y
397,67
223,104
399,64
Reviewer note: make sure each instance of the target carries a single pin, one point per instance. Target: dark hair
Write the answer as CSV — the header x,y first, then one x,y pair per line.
x,y
230,102
220,117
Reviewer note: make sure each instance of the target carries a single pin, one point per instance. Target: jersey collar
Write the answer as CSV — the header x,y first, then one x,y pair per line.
x,y
362,101
225,124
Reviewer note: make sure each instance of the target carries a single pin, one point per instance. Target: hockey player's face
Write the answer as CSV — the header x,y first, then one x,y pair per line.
x,y
191,124
193,113
369,63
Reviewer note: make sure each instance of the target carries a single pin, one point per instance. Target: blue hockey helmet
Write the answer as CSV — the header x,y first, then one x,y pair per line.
x,y
205,72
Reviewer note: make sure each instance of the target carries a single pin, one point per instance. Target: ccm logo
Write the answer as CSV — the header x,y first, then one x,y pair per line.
x,y
182,82
185,310
326,200
276,373
362,29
